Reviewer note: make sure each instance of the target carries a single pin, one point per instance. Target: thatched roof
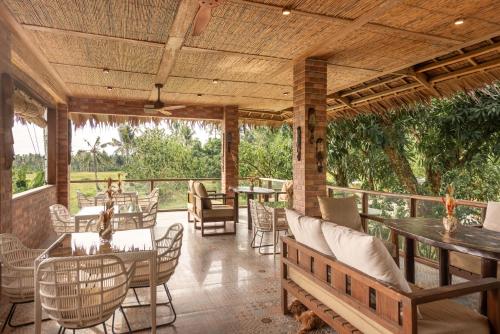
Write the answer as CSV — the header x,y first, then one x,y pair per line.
x,y
28,110
381,54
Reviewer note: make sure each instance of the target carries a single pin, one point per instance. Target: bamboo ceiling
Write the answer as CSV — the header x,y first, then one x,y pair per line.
x,y
377,59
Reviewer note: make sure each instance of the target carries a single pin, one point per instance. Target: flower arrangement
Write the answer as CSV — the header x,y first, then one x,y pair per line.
x,y
104,226
253,181
450,222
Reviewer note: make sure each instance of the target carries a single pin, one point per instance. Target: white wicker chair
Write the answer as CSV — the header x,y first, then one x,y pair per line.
x,y
152,197
262,219
83,291
17,274
84,200
149,216
62,222
125,198
169,251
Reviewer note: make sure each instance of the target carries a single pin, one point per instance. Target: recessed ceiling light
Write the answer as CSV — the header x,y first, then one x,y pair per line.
x,y
459,21
199,94
215,81
109,88
286,11
105,70
286,93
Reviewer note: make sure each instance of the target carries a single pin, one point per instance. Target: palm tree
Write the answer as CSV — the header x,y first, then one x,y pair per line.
x,y
98,156
125,144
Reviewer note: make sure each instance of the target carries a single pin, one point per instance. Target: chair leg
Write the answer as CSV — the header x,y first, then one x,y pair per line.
x,y
9,316
136,296
105,329
252,244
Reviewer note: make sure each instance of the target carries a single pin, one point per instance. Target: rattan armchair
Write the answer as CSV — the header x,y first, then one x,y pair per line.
x,y
169,250
84,200
152,197
17,263
263,220
149,216
83,291
62,222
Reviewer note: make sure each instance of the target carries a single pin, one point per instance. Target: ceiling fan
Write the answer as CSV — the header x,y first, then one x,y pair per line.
x,y
204,15
159,106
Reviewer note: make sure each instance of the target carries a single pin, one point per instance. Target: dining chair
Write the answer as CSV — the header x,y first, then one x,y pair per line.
x,y
62,221
152,197
150,214
169,250
17,262
83,291
84,200
262,219
125,198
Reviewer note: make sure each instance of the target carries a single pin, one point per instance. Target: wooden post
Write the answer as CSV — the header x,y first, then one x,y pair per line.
x,y
444,267
6,151
410,260
63,154
309,113
230,150
364,209
51,146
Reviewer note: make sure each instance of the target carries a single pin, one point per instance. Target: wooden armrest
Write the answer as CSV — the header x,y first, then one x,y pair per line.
x,y
211,191
453,291
217,194
477,226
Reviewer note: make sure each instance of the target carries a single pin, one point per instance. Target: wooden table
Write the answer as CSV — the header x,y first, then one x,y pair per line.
x,y
466,239
131,245
250,195
126,211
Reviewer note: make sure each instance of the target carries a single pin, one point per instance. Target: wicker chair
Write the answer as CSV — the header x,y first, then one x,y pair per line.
x,y
62,222
263,219
126,198
169,251
152,197
84,200
83,291
17,274
149,216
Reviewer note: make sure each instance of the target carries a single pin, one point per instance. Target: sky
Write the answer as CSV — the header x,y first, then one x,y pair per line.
x,y
29,138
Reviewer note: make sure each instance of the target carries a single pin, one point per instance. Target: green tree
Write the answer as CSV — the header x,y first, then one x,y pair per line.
x,y
98,156
125,143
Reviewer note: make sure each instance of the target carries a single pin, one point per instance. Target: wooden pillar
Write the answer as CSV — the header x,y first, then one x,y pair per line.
x,y
309,101
6,151
230,148
51,146
63,153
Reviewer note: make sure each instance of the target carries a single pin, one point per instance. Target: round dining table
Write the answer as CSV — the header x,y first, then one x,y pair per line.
x,y
250,192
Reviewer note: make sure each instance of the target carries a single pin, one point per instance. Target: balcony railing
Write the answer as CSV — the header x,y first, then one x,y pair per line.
x,y
391,205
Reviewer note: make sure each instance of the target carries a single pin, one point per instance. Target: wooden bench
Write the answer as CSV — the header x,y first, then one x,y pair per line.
x,y
352,302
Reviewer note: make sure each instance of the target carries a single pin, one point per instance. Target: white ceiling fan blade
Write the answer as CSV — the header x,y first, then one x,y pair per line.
x,y
165,112
173,107
201,20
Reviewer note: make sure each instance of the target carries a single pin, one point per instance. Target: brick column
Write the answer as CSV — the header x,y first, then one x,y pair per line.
x,y
63,154
309,91
229,151
6,151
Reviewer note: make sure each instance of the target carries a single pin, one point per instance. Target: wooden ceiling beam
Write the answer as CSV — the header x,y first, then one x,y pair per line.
x,y
422,79
460,57
368,86
466,71
320,49
374,27
185,15
231,81
345,101
232,53
57,88
81,34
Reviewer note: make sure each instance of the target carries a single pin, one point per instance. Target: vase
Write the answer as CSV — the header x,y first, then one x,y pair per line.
x,y
450,223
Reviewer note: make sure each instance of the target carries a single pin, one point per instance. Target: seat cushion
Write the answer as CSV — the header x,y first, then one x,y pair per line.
x,y
201,191
190,207
307,231
441,317
468,262
219,211
341,211
365,253
492,219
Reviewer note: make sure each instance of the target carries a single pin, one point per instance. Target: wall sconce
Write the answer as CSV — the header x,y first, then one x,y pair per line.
x,y
229,138
299,143
320,155
311,123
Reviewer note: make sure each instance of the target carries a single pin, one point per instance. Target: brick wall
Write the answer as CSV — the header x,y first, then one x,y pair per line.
x,y
6,119
230,130
62,154
30,215
309,90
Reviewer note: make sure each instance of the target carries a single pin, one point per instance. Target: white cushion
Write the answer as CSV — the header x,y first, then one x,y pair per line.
x,y
307,231
341,211
492,219
365,253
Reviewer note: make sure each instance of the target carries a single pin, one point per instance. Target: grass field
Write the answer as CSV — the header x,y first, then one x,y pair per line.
x,y
172,193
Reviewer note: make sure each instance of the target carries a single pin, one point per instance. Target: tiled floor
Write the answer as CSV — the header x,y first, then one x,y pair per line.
x,y
220,286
